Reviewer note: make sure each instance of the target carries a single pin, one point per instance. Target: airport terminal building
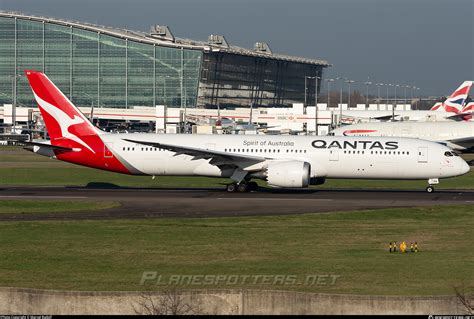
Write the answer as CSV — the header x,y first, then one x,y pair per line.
x,y
114,68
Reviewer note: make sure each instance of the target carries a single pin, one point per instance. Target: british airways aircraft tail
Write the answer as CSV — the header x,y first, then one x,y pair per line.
x,y
455,103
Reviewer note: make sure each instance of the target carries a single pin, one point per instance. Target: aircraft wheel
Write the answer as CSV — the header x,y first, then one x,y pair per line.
x,y
430,189
253,186
231,188
242,187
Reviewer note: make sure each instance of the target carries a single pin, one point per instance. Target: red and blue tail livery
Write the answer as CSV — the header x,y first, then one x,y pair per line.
x,y
455,103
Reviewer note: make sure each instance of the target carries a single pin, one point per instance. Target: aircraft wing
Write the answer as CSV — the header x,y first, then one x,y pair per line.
x,y
384,118
460,117
466,142
218,158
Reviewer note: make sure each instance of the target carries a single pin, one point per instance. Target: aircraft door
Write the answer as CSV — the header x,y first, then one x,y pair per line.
x,y
334,154
422,154
210,146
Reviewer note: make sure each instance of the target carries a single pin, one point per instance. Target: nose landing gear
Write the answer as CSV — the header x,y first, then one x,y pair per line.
x,y
430,188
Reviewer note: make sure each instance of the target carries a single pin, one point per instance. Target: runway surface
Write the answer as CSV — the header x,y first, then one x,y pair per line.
x,y
172,202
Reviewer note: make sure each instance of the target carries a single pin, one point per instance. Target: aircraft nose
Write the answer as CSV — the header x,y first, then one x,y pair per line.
x,y
464,168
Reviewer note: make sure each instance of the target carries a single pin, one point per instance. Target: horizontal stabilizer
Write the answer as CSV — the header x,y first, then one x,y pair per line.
x,y
50,147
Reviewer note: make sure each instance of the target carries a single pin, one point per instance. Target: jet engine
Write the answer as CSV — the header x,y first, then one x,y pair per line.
x,y
288,174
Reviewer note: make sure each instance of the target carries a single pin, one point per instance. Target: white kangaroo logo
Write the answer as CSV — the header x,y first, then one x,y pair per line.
x,y
63,120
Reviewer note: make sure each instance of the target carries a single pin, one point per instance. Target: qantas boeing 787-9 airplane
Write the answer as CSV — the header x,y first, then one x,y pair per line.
x,y
282,161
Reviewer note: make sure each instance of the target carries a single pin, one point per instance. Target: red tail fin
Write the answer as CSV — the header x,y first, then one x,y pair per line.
x,y
65,123
69,128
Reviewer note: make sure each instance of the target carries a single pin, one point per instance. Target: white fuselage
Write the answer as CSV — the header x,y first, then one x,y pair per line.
x,y
329,157
360,116
433,131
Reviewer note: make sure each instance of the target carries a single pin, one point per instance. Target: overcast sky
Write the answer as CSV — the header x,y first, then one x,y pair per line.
x,y
425,43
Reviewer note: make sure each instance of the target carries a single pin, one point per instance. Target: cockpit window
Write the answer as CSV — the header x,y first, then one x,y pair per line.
x,y
455,154
447,153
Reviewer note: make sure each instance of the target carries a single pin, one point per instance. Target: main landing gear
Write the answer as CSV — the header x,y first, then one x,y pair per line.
x,y
242,187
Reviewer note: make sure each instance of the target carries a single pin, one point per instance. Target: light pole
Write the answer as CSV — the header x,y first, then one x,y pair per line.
x,y
14,89
329,88
305,77
378,92
349,99
315,100
405,87
416,97
340,96
316,78
367,91
396,94
386,102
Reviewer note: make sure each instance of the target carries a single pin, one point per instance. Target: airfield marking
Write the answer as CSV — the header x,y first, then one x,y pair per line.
x,y
39,197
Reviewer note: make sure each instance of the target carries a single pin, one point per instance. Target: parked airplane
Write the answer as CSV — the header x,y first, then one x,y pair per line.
x,y
232,126
456,135
283,161
452,109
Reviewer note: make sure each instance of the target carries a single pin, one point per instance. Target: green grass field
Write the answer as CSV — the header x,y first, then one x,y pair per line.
x,y
20,167
113,254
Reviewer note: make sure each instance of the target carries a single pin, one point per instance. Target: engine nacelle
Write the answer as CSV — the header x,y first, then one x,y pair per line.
x,y
289,174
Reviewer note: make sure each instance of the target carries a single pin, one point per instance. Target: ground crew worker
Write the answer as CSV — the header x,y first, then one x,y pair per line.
x,y
394,246
411,247
403,246
416,247
390,249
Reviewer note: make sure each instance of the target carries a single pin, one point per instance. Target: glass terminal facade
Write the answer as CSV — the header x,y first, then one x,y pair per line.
x,y
106,68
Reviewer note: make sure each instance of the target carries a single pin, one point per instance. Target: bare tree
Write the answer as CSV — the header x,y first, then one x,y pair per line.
x,y
465,299
357,98
170,302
